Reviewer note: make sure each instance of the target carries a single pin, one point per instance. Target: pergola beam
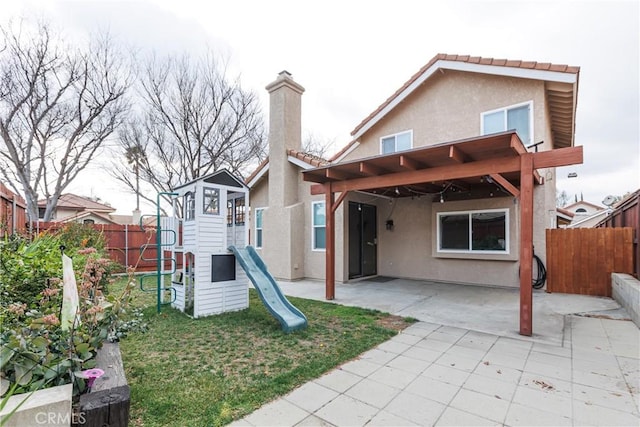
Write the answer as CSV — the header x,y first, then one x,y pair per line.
x,y
370,170
505,184
457,155
440,173
409,163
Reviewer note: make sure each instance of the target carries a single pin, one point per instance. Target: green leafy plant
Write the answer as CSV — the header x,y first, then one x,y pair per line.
x,y
36,352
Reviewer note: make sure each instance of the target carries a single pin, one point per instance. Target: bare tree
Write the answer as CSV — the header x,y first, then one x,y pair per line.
x,y
58,104
193,121
562,199
313,145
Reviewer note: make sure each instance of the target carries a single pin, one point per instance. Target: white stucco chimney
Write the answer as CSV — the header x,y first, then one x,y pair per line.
x,y
285,133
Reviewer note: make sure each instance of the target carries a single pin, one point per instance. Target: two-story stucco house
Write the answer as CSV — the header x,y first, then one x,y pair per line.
x,y
451,179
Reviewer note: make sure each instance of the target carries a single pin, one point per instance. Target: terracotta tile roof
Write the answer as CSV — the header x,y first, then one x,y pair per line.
x,y
543,66
313,160
73,201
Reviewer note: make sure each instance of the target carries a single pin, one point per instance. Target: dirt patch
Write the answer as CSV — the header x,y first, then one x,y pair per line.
x,y
396,323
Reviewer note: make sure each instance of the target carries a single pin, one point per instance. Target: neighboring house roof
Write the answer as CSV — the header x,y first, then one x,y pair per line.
x,y
591,220
563,217
298,158
561,102
87,215
78,203
576,205
565,212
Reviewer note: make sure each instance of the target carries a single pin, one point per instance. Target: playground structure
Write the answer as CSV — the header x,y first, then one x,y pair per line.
x,y
216,263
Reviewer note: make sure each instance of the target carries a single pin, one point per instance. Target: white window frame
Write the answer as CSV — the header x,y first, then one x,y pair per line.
x,y
215,191
395,135
190,206
507,226
314,226
261,228
505,109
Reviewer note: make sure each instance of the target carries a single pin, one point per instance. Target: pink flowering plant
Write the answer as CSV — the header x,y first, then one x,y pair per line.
x,y
36,352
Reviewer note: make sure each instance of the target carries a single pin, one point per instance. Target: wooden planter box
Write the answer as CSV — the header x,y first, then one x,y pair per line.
x,y
107,405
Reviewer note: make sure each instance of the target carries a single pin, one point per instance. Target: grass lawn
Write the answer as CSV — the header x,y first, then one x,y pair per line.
x,y
214,370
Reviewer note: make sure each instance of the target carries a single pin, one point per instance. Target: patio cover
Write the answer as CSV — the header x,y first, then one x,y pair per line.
x,y
472,166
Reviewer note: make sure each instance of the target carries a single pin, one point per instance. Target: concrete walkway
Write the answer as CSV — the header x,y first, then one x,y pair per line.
x,y
471,367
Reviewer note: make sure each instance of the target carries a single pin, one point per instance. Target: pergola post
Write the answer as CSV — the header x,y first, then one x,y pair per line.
x,y
330,251
526,244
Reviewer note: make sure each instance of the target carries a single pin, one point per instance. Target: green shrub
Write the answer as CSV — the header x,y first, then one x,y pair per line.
x,y
25,268
36,353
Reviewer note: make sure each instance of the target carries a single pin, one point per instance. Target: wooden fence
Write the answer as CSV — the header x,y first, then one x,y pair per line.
x,y
124,243
581,260
13,212
627,214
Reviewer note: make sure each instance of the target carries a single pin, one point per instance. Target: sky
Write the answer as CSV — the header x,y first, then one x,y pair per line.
x,y
352,55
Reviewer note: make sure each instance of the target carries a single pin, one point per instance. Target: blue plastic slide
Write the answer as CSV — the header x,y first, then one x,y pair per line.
x,y
289,317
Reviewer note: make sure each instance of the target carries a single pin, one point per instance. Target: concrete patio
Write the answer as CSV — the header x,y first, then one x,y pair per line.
x,y
465,364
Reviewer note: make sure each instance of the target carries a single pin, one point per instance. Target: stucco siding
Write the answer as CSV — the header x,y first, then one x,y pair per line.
x,y
449,107
409,250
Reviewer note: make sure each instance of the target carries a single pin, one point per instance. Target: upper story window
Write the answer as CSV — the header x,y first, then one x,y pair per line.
x,y
474,231
189,206
397,142
211,201
318,222
518,117
259,212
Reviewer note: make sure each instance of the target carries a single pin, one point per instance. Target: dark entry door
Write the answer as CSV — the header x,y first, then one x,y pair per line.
x,y
363,250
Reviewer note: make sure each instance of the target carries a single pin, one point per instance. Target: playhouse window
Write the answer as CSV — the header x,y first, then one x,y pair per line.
x,y
211,201
516,117
319,226
229,212
398,142
474,231
189,206
240,210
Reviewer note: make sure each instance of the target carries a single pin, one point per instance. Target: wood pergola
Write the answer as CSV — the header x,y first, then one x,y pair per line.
x,y
474,166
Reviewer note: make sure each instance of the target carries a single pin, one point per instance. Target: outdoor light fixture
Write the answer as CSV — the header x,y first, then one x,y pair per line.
x,y
441,198
397,191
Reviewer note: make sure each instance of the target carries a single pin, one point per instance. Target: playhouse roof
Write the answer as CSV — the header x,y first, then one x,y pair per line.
x,y
220,177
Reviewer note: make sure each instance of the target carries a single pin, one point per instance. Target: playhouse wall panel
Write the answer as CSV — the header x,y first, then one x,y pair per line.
x,y
212,234
179,302
189,236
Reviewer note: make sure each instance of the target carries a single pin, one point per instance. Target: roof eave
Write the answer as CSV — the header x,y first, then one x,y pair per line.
x,y
536,74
